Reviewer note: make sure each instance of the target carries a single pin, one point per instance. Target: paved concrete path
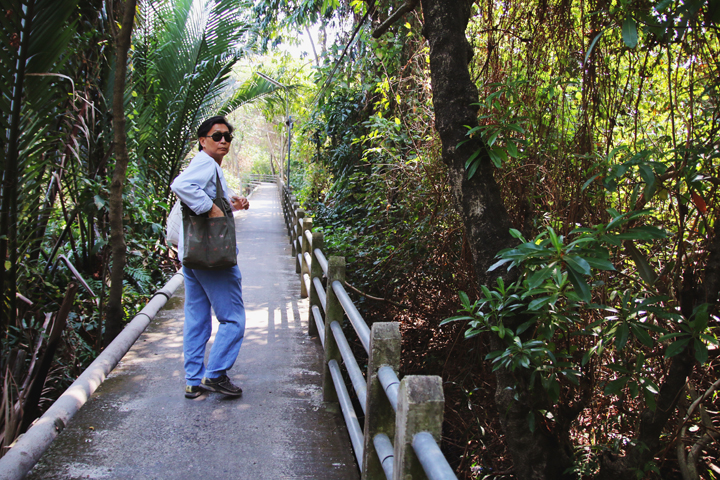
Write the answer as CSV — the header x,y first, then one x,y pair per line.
x,y
139,425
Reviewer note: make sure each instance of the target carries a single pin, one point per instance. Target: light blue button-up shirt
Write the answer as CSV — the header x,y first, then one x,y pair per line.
x,y
195,187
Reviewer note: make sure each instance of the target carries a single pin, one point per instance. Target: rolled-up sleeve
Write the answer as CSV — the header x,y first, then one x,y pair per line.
x,y
190,185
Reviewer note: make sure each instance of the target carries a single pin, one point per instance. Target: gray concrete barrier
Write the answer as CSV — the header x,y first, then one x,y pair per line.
x,y
29,447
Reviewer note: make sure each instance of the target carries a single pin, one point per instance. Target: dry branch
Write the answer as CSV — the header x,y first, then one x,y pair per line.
x,y
408,6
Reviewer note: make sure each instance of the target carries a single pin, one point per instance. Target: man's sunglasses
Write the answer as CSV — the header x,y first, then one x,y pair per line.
x,y
218,135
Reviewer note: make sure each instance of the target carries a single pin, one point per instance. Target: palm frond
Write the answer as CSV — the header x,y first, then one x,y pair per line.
x,y
190,49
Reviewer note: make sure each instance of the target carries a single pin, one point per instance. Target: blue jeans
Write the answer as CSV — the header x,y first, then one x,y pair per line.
x,y
221,290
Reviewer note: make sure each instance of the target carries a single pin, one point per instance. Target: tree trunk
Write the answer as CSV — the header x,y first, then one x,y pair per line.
x,y
114,320
454,93
8,210
537,453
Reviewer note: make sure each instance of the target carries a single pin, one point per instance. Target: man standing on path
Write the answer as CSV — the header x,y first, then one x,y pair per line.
x,y
219,289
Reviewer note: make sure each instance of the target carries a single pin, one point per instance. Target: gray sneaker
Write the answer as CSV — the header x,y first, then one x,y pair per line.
x,y
193,391
222,385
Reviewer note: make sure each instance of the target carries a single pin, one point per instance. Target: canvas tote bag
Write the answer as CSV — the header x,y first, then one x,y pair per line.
x,y
209,243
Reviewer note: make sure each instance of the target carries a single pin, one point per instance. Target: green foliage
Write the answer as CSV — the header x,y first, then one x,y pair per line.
x,y
601,121
183,57
538,316
501,127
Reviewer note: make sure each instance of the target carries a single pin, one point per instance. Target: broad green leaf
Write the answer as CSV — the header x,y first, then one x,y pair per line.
x,y
648,174
537,278
649,399
670,336
581,286
501,152
587,184
617,219
99,202
676,347
629,32
622,335
592,45
599,263
538,303
472,333
573,376
578,264
699,322
645,271
555,240
455,319
491,139
525,326
554,390
517,234
512,149
472,157
614,387
639,362
611,239
701,352
643,233
642,335
473,168
493,355
498,264
531,421
649,385
709,339
496,159
617,367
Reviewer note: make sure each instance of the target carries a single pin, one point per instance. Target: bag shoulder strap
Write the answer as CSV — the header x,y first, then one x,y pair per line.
x,y
218,186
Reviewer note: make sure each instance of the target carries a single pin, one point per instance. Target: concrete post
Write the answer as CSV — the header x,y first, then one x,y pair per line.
x,y
316,271
305,248
295,230
420,409
379,414
333,313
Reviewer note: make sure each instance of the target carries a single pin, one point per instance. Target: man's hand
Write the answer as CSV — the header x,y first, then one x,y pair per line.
x,y
215,212
239,203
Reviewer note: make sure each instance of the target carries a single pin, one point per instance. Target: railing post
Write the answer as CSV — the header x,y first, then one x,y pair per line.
x,y
316,271
420,409
306,248
296,228
385,343
289,212
333,313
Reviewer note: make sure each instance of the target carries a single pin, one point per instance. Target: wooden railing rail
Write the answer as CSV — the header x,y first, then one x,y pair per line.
x,y
403,418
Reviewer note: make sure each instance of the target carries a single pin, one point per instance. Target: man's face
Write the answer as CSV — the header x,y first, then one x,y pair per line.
x,y
216,149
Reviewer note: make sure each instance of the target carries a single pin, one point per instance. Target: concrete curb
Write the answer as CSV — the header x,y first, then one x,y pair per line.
x,y
30,446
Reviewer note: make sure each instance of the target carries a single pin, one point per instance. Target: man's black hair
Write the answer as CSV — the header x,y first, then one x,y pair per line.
x,y
208,124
